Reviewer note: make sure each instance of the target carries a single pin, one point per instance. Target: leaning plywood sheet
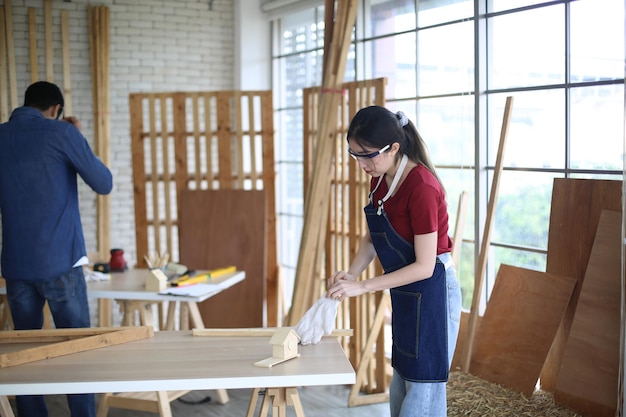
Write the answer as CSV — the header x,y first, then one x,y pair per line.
x,y
227,227
47,344
575,210
519,325
587,381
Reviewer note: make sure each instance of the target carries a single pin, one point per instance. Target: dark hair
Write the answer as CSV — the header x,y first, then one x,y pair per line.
x,y
376,126
42,95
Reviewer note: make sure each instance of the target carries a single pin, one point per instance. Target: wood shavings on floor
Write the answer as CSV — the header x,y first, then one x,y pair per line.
x,y
470,396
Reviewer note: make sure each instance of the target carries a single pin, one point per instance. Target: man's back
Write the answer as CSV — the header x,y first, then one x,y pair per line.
x,y
39,159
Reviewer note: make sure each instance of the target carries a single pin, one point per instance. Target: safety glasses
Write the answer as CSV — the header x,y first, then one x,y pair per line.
x,y
358,156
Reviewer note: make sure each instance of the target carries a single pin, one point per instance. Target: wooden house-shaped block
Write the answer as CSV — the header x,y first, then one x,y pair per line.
x,y
284,343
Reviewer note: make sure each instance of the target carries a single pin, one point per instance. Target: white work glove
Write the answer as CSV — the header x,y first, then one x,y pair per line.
x,y
318,321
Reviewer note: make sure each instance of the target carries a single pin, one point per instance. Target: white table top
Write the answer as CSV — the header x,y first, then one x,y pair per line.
x,y
177,360
129,285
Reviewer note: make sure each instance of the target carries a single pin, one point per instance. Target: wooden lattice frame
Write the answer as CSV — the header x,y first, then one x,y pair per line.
x,y
345,227
200,141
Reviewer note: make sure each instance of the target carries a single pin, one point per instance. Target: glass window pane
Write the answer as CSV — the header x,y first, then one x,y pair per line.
x,y
433,12
597,40
456,181
290,188
519,258
289,136
393,58
500,5
522,214
390,16
446,59
447,126
527,48
290,232
536,134
597,127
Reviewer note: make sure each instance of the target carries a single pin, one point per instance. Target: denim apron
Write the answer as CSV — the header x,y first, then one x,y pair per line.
x,y
419,309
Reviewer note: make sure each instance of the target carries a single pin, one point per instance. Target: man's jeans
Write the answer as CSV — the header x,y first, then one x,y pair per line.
x,y
67,299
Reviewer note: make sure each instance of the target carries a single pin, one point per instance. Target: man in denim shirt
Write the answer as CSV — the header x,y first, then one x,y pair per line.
x,y
43,247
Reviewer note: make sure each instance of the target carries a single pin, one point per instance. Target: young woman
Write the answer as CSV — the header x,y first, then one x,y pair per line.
x,y
408,230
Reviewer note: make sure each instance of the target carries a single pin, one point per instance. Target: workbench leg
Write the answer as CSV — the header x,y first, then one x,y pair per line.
x,y
171,316
164,404
279,399
252,404
104,312
184,316
196,317
103,408
279,406
5,407
222,396
293,399
265,405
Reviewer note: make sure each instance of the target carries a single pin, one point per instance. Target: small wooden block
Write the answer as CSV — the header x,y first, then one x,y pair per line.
x,y
156,280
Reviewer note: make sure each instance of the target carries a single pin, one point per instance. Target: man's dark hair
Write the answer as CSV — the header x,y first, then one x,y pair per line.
x,y
42,94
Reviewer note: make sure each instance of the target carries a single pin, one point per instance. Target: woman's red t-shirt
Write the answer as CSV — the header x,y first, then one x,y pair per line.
x,y
418,207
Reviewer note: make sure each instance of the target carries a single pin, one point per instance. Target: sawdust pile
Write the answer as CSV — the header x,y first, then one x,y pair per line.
x,y
470,396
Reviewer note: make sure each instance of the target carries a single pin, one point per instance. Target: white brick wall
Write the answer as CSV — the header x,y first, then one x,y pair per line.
x,y
155,45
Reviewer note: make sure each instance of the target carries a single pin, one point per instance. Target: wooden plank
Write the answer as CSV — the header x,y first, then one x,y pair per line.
x,y
10,52
317,204
227,227
51,335
168,179
575,211
99,55
257,332
67,65
47,18
588,379
481,265
459,226
67,347
521,319
139,175
32,41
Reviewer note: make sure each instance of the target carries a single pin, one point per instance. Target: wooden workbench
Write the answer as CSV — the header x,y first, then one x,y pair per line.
x,y
176,360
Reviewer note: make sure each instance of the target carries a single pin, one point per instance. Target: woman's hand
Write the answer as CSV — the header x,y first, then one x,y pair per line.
x,y
343,285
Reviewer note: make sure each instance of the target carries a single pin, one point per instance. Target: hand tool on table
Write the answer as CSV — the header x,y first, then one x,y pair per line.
x,y
196,279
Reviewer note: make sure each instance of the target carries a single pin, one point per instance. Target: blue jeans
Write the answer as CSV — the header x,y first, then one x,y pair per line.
x,y
67,299
421,399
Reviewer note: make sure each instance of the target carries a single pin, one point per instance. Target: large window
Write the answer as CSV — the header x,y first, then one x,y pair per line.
x,y
450,65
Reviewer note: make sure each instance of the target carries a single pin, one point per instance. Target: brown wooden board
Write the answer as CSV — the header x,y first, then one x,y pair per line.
x,y
218,228
574,214
519,325
587,381
60,342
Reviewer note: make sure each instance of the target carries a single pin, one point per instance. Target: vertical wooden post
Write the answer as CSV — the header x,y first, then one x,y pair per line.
x,y
67,80
479,278
48,40
32,41
10,51
316,206
99,48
